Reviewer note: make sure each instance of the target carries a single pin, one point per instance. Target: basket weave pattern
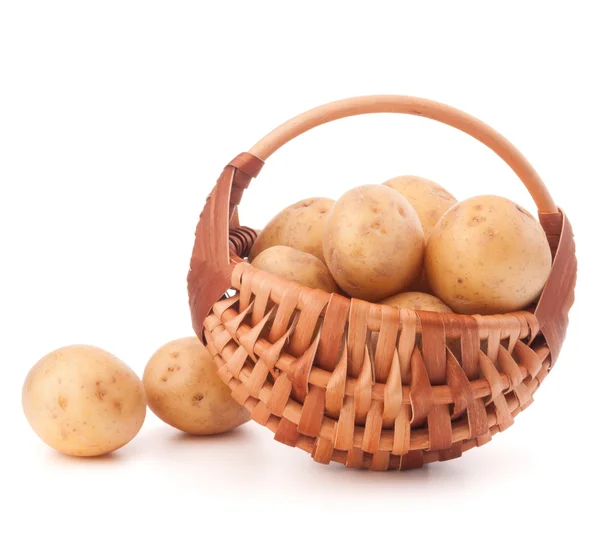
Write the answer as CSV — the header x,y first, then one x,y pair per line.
x,y
364,384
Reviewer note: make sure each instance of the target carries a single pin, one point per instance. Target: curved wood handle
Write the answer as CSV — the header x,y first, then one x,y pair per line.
x,y
417,107
216,250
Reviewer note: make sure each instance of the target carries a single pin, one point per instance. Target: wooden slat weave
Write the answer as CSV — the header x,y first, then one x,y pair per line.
x,y
440,406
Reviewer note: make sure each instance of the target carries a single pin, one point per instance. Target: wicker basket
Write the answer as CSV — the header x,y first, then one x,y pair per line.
x,y
307,364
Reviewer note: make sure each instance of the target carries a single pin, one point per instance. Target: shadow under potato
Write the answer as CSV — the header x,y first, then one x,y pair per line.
x,y
235,435
104,459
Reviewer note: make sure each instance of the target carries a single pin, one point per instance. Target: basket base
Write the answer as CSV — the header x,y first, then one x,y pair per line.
x,y
322,449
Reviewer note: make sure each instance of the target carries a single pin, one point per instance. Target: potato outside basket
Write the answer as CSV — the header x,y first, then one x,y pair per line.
x,y
363,384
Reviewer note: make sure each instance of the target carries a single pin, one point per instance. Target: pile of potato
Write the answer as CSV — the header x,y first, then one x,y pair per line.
x,y
410,243
406,243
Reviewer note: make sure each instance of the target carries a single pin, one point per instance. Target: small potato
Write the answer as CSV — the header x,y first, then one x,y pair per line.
x,y
373,242
298,266
487,255
185,391
417,301
427,198
430,201
299,226
83,401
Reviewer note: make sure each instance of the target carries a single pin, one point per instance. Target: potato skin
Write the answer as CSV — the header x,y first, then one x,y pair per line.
x,y
487,255
83,401
373,242
427,198
299,226
185,391
298,266
417,301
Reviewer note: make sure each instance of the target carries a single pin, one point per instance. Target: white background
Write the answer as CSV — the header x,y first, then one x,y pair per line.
x,y
116,119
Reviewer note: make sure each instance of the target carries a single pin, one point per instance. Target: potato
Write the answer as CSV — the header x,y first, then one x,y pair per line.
x,y
299,226
430,201
185,391
373,242
417,301
427,198
83,401
298,266
487,255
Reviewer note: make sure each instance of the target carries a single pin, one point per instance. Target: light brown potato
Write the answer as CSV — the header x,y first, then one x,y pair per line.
x,y
417,301
83,401
487,255
427,198
298,266
373,242
185,391
430,201
299,226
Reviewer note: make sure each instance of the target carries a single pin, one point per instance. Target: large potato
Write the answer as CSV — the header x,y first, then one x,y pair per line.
x,y
83,401
428,199
373,242
487,255
417,301
185,391
298,266
299,226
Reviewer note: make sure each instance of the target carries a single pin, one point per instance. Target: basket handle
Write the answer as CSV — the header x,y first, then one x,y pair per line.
x,y
217,250
418,107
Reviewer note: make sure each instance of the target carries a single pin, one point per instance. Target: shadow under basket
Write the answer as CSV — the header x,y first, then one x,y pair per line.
x,y
363,384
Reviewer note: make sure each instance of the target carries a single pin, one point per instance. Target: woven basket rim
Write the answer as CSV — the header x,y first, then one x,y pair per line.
x,y
278,283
